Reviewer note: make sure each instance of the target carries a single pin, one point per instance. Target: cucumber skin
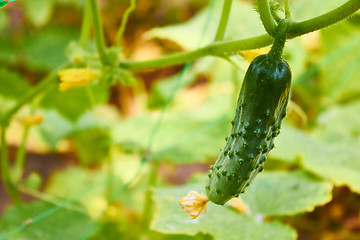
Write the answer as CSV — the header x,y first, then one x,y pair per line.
x,y
260,108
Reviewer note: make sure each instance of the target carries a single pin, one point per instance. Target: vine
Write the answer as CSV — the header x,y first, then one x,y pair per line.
x,y
295,29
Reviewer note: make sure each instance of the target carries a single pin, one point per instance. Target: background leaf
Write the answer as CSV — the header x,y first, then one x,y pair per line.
x,y
286,193
340,78
305,9
75,102
45,50
219,221
63,224
243,22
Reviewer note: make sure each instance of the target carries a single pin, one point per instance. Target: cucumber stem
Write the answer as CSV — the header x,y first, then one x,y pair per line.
x,y
280,39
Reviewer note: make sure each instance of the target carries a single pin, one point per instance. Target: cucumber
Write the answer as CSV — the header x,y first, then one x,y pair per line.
x,y
260,109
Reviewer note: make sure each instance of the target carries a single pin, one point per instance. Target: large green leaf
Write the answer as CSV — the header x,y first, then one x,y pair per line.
x,y
243,22
92,145
340,123
290,144
219,221
7,50
305,9
49,223
45,50
12,87
286,193
74,103
183,136
339,163
91,187
54,127
340,77
328,152
12,84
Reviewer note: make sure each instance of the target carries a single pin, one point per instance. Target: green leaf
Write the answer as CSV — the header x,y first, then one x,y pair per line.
x,y
164,90
45,50
94,184
92,145
290,144
336,160
7,51
12,84
339,124
244,22
54,127
184,136
58,225
39,11
219,221
340,76
12,87
286,193
305,9
75,102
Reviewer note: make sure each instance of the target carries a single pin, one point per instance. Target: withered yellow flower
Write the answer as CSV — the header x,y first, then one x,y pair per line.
x,y
238,205
76,77
249,55
194,203
32,120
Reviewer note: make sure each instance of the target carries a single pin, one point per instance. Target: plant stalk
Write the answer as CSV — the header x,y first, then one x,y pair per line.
x,y
98,32
295,29
280,39
86,25
124,21
266,17
5,169
223,20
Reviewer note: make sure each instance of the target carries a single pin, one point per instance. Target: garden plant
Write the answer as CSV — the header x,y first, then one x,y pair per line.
x,y
193,119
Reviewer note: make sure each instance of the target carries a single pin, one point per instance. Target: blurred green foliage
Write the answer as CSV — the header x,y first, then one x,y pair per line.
x,y
310,157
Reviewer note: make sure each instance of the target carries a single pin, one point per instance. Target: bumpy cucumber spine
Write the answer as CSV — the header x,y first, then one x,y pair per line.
x,y
261,107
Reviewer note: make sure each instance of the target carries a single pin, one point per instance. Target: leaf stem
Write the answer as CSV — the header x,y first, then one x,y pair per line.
x,y
218,48
154,167
98,32
223,20
18,169
266,17
86,25
124,21
5,170
280,39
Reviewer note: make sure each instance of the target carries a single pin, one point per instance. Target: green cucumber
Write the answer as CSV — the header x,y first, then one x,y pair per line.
x,y
261,107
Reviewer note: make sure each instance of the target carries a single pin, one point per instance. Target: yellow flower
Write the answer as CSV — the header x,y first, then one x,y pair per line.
x,y
76,77
249,55
194,203
32,120
238,205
